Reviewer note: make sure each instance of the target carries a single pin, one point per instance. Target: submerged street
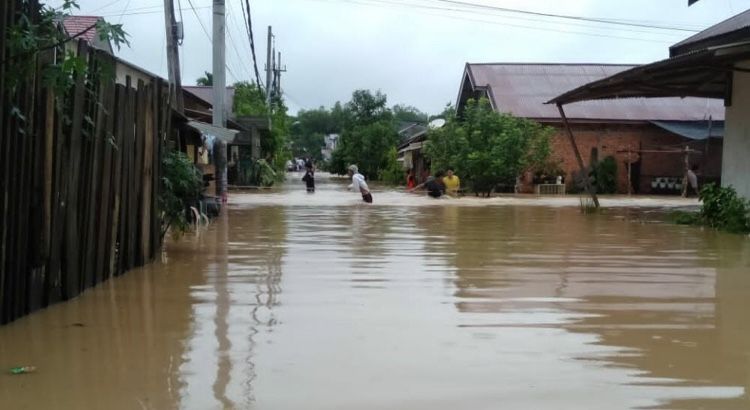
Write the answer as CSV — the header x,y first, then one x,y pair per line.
x,y
318,301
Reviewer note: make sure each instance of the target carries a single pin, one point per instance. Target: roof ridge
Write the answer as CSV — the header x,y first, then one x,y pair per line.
x,y
561,64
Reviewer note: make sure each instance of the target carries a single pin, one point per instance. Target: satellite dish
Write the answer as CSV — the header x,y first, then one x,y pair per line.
x,y
436,123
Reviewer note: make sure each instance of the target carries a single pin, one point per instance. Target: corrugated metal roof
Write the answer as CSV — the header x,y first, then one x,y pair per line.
x,y
76,24
206,93
523,89
694,130
224,134
736,23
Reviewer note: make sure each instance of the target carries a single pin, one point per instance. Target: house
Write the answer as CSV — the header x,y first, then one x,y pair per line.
x,y
85,28
244,146
646,137
714,63
410,150
331,140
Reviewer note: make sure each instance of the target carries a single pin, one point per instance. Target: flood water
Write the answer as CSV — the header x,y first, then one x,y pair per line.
x,y
297,301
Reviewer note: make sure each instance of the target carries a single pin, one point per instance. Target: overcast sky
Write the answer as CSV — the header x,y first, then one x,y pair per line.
x,y
412,50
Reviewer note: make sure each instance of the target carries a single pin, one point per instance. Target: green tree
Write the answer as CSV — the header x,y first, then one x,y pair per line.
x,y
249,100
407,113
487,148
368,135
206,80
308,132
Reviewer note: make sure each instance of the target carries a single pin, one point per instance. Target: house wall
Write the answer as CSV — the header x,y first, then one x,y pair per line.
x,y
608,139
122,71
736,165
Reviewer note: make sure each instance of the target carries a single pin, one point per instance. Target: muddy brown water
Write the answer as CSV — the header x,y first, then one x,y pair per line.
x,y
297,301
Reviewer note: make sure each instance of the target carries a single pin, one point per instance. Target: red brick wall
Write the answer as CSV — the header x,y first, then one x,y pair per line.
x,y
608,139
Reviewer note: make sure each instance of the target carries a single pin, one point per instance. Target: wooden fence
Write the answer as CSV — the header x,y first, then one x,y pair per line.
x,y
79,181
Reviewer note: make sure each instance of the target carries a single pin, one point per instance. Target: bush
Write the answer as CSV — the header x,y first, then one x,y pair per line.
x,y
723,209
605,176
182,184
393,173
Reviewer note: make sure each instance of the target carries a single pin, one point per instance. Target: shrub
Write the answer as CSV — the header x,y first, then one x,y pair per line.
x,y
393,173
723,209
182,184
605,176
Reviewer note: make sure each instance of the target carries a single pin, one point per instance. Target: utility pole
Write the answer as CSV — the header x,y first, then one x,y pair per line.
x,y
219,88
173,56
277,76
219,63
269,66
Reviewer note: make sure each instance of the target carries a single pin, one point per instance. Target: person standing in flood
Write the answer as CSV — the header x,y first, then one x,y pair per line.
x,y
309,178
692,180
451,182
359,184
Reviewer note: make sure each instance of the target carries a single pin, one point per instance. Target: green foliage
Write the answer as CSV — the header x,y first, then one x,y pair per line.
x,y
605,176
725,210
263,174
308,131
368,135
393,173
486,148
181,187
31,39
407,113
249,100
685,218
206,80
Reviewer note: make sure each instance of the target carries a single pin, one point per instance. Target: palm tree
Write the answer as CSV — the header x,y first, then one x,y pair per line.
x,y
207,80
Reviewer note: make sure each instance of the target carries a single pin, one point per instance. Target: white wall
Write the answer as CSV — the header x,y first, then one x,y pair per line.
x,y
735,168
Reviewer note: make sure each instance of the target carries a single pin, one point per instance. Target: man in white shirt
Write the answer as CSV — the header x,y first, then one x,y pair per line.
x,y
359,184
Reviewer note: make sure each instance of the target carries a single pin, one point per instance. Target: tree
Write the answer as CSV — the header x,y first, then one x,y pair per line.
x,y
249,100
308,132
407,113
487,148
368,135
206,80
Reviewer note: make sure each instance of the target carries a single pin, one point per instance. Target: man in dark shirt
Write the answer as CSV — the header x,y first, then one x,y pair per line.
x,y
434,188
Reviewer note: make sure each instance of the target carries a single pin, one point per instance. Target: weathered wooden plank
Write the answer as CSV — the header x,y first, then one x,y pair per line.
x,y
147,173
53,285
134,255
116,232
92,244
105,192
71,276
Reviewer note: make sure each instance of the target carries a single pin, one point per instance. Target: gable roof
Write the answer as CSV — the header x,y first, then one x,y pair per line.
x,y
733,29
74,25
523,89
81,27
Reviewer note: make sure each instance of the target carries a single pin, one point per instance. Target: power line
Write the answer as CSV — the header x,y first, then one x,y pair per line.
x,y
123,11
563,16
236,52
538,28
150,11
469,11
208,36
249,28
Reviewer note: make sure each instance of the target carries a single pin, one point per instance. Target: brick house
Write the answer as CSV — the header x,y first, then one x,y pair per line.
x,y
647,133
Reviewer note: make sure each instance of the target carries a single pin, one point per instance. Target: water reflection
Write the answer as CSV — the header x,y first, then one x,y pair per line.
x,y
405,304
242,258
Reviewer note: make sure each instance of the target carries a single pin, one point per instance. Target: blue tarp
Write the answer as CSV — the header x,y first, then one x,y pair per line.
x,y
694,130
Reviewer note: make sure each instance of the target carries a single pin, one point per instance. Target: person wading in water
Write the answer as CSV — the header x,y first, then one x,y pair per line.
x,y
359,184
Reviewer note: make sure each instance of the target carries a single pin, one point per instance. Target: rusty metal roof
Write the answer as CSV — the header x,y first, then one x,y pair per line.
x,y
523,89
733,29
